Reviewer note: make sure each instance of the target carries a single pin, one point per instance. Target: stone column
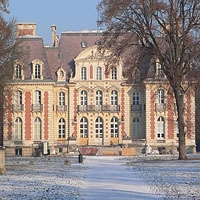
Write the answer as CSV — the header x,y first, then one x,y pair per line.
x,y
2,161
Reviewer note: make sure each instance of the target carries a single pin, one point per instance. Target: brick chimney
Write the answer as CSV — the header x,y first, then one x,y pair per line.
x,y
24,29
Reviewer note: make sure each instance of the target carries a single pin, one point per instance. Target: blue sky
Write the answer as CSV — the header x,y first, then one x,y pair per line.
x,y
74,15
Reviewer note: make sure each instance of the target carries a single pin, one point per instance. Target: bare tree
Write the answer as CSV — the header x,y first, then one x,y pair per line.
x,y
7,55
168,30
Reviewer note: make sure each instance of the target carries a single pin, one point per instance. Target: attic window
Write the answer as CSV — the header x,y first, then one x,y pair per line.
x,y
83,44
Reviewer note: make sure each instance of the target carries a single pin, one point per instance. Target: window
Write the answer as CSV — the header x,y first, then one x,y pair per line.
x,y
136,128
159,70
37,129
99,127
160,96
84,127
37,97
160,128
37,71
136,98
114,73
114,129
99,74
83,98
114,98
61,100
18,71
18,129
61,128
83,73
99,98
18,98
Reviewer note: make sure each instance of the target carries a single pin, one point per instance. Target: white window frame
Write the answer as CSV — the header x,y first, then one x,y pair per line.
x,y
114,127
114,98
83,73
61,128
84,127
99,73
18,129
161,128
37,129
136,98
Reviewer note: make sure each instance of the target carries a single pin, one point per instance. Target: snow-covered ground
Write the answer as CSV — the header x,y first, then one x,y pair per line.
x,y
100,177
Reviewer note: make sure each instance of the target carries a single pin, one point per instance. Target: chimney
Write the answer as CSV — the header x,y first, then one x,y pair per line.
x,y
24,29
54,36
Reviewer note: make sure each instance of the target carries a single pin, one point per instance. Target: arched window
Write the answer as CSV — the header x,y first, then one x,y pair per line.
x,y
161,128
84,127
61,128
99,73
83,73
18,129
136,128
37,129
114,73
114,98
61,99
99,127
114,129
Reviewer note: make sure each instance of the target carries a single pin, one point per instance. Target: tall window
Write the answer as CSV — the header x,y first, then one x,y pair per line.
x,y
37,71
99,127
61,128
136,128
159,70
18,129
83,98
99,98
37,129
99,73
161,128
61,98
83,73
84,127
136,98
37,97
18,71
114,73
114,98
18,97
114,129
160,96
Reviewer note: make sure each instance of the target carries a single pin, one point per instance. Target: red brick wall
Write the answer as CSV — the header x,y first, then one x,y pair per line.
x,y
46,115
28,116
91,71
10,116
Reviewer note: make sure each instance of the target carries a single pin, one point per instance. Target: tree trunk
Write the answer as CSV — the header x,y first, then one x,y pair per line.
x,y
179,96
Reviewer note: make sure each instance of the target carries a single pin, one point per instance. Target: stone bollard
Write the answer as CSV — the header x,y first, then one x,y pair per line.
x,y
2,161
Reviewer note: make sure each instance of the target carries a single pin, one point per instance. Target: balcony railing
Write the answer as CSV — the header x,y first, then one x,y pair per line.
x,y
17,107
37,107
136,107
98,108
160,107
61,108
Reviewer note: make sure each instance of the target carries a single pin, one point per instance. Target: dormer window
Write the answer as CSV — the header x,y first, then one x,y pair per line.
x,y
18,71
159,70
61,74
37,69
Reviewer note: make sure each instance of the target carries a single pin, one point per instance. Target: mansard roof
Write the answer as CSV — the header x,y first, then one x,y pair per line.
x,y
32,48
